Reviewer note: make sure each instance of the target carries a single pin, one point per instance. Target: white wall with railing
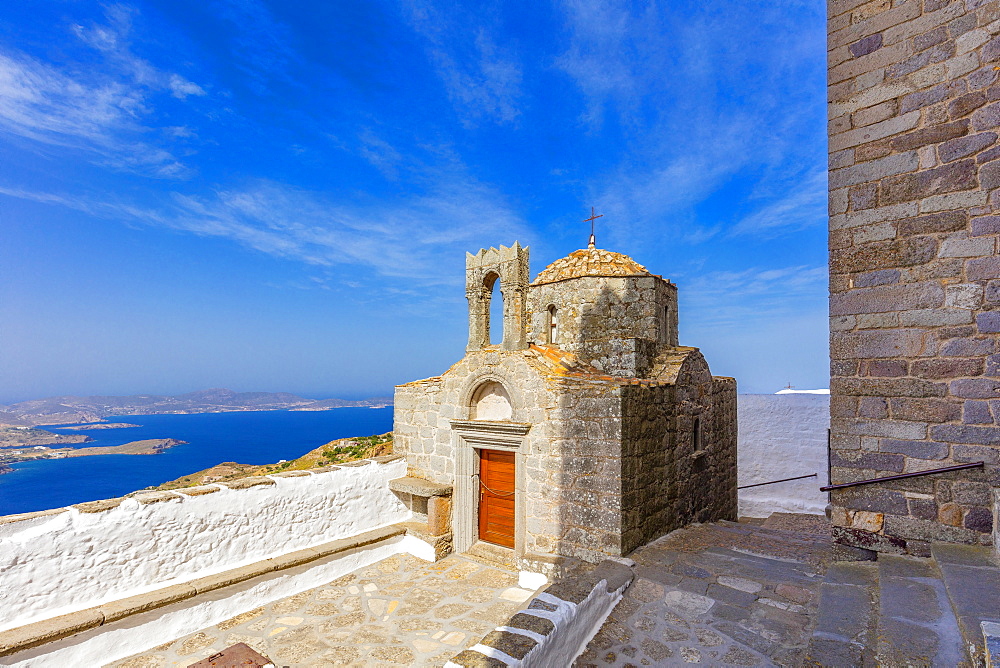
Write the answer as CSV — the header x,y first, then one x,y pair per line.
x,y
782,436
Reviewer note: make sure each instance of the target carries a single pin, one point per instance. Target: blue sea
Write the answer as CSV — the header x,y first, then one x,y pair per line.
x,y
252,437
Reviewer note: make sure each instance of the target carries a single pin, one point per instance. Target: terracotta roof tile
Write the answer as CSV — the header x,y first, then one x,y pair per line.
x,y
590,262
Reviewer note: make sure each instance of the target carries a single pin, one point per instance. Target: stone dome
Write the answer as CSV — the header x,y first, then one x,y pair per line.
x,y
590,262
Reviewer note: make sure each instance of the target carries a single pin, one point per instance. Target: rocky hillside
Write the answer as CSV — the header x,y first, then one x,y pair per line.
x,y
334,452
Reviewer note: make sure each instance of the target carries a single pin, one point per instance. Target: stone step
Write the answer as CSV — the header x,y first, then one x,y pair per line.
x,y
777,537
772,544
784,535
846,619
971,576
492,555
916,624
800,522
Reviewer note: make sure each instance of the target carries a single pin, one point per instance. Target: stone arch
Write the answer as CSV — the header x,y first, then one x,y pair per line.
x,y
478,382
490,401
482,270
493,292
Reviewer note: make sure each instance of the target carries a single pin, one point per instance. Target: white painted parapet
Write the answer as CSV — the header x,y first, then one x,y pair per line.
x,y
782,436
65,560
558,623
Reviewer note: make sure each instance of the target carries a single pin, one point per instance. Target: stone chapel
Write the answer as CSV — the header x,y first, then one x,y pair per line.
x,y
587,432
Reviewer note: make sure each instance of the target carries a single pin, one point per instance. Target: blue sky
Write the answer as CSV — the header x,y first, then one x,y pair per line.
x,y
279,196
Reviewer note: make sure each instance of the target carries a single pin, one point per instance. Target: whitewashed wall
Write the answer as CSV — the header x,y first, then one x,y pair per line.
x,y
782,436
55,564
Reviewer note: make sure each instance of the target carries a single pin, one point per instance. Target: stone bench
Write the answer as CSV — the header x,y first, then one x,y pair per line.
x,y
428,500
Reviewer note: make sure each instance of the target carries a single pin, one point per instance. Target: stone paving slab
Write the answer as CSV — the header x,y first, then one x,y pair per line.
x,y
916,624
401,611
846,617
719,596
971,575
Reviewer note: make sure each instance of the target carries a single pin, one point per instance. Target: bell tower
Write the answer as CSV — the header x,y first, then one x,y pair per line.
x,y
482,270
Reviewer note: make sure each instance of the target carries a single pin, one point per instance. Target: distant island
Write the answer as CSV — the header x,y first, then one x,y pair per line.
x,y
74,410
26,437
151,446
104,425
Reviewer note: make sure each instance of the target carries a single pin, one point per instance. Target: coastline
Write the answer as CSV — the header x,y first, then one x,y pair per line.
x,y
150,446
253,438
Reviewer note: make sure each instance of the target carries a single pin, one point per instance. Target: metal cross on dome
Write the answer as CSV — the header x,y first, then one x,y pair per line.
x,y
593,239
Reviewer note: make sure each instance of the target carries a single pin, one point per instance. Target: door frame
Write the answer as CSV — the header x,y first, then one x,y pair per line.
x,y
468,438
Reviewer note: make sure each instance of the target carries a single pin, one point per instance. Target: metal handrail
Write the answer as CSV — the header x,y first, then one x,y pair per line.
x,y
903,475
758,484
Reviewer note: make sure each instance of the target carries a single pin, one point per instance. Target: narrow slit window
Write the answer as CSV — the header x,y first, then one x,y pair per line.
x,y
553,334
696,440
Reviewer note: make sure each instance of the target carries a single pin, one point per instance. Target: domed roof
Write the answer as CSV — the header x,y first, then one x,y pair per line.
x,y
590,262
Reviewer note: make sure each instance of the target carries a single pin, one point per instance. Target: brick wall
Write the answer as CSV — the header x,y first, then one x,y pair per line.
x,y
914,116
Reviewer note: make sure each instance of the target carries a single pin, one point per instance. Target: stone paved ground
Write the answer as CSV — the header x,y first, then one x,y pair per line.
x,y
401,611
719,595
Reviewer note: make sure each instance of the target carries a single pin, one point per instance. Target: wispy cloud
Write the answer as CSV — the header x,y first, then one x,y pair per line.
x,y
610,53
481,76
804,205
676,86
380,153
730,299
181,87
262,45
653,196
98,110
113,39
404,238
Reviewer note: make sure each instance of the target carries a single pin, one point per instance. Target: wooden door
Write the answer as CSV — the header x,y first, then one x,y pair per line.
x,y
496,497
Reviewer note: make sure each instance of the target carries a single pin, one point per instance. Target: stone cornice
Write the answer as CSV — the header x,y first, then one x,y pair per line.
x,y
485,427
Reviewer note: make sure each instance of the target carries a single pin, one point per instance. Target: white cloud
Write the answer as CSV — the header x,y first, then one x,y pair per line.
x,y
482,78
181,87
804,205
40,103
699,102
654,196
100,110
730,299
402,239
380,153
405,238
609,54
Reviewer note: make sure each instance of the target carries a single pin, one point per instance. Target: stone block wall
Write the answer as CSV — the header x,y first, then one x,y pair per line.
x,y
725,438
570,455
914,111
668,479
617,324
422,430
578,478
